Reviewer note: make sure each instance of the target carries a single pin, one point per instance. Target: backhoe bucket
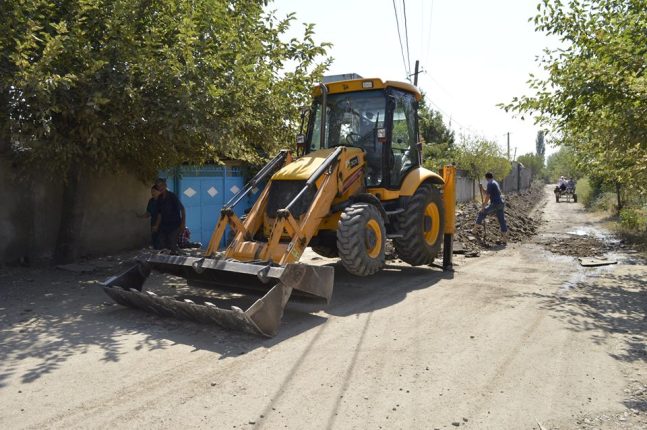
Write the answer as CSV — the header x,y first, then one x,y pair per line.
x,y
263,317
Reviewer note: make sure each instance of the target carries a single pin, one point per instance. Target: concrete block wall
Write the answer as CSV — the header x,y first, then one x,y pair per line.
x,y
518,179
30,214
465,189
110,223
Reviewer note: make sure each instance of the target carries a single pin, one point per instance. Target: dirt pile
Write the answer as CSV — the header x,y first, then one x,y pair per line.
x,y
517,215
577,245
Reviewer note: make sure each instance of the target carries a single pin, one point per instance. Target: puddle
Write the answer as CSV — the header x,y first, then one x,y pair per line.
x,y
592,231
582,273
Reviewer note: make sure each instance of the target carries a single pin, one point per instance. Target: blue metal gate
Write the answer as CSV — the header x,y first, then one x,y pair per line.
x,y
203,191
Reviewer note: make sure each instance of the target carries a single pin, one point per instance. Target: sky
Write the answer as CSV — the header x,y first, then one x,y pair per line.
x,y
474,54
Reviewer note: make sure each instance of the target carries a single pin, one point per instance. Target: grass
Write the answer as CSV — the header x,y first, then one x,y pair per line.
x,y
585,193
630,224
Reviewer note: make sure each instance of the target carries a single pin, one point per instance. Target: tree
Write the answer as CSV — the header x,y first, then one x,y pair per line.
x,y
477,156
540,145
594,95
438,139
432,127
137,86
564,162
534,162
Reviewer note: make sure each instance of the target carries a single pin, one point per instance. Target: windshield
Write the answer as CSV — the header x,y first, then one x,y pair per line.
x,y
352,119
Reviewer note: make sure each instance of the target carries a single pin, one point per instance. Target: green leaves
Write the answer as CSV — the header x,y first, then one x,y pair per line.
x,y
535,162
594,97
438,139
478,156
140,86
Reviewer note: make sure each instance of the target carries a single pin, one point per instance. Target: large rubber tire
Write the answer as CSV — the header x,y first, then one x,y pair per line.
x,y
421,226
361,239
326,251
574,198
557,198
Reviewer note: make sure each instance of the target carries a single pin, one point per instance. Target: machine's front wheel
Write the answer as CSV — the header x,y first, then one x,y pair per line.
x,y
361,237
421,226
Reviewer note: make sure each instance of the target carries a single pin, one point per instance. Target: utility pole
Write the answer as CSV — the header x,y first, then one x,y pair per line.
x,y
515,154
415,73
508,146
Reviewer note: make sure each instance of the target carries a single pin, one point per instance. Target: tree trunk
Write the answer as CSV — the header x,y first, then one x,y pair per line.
x,y
72,212
618,189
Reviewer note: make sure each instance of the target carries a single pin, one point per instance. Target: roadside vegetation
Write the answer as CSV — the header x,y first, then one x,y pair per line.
x,y
103,86
592,100
475,155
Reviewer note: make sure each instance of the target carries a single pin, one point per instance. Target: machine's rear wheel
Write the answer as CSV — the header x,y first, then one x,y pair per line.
x,y
421,226
361,237
557,198
574,198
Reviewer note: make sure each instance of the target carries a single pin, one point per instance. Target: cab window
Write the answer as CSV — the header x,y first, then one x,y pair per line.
x,y
404,149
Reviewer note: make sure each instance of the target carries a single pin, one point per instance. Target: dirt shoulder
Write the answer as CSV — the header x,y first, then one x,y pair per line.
x,y
520,338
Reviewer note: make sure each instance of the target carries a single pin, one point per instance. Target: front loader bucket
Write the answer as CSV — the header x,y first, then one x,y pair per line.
x,y
263,317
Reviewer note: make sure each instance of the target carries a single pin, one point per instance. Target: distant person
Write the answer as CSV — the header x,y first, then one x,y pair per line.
x,y
151,212
496,205
562,183
570,184
171,217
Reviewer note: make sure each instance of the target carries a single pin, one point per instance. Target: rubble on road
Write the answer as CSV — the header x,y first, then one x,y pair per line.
x,y
521,225
595,262
577,245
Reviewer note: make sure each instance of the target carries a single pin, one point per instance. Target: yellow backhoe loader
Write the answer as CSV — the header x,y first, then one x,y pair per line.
x,y
354,182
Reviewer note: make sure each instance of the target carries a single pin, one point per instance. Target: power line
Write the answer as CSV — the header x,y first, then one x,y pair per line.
x,y
422,27
451,117
439,85
428,47
406,32
397,23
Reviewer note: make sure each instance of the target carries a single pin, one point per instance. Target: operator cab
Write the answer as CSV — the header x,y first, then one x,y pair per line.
x,y
378,117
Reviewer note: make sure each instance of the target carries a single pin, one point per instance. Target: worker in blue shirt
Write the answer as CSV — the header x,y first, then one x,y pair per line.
x,y
151,212
171,217
496,205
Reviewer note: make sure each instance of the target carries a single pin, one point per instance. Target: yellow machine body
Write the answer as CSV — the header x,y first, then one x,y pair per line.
x,y
323,198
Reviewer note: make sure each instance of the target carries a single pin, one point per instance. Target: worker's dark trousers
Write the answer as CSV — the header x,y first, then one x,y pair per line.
x,y
500,215
168,239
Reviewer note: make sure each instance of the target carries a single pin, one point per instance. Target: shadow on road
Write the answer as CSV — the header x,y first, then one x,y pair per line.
x,y
605,305
355,295
40,334
612,309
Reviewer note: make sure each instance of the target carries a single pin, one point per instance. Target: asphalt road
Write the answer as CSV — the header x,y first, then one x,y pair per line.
x,y
518,338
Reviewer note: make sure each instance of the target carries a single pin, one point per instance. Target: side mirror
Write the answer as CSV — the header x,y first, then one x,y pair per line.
x,y
381,135
301,144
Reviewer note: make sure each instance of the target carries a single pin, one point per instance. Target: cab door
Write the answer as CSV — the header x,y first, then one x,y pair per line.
x,y
402,136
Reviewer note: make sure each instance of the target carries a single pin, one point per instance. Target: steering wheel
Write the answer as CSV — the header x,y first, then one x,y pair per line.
x,y
353,138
